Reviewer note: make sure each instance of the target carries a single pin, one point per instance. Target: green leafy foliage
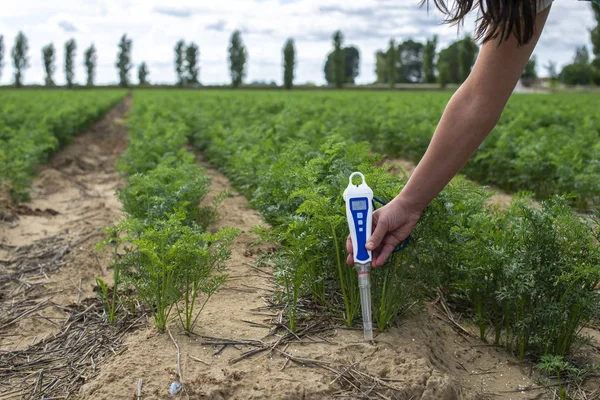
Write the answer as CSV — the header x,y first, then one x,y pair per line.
x,y
565,371
167,258
115,240
527,275
168,261
557,365
543,144
34,124
154,141
202,259
155,194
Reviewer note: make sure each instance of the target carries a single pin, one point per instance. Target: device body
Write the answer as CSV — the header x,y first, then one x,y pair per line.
x,y
359,212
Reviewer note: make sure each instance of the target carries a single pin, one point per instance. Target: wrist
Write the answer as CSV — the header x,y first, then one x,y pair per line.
x,y
409,203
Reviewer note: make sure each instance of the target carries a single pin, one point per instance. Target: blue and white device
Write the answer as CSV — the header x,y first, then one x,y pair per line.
x,y
359,211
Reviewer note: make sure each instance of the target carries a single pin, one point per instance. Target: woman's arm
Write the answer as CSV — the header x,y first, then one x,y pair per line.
x,y
469,117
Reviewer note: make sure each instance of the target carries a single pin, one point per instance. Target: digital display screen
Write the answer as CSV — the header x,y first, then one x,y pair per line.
x,y
359,205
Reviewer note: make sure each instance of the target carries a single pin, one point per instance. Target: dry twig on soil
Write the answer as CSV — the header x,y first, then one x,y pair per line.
x,y
29,265
59,365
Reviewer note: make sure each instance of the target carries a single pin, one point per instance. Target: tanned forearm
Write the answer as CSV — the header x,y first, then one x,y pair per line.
x,y
466,122
468,118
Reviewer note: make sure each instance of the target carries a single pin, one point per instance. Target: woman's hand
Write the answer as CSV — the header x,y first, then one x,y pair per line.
x,y
392,224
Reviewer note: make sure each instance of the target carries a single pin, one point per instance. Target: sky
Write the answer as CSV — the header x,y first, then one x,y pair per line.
x,y
156,25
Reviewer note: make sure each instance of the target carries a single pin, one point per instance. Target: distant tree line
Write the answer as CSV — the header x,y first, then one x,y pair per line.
x,y
20,60
406,62
414,62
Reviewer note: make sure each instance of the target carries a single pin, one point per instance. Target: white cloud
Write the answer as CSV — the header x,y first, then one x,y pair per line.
x,y
155,26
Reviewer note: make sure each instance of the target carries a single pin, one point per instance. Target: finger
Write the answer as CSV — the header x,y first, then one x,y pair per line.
x,y
382,256
350,258
381,228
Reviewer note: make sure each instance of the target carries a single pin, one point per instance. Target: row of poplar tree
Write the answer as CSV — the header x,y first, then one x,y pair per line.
x,y
187,58
407,62
20,58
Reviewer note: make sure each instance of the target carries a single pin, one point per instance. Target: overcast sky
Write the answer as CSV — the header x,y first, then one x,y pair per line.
x,y
156,25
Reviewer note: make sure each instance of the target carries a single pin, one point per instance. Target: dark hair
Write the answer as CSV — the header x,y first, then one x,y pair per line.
x,y
498,18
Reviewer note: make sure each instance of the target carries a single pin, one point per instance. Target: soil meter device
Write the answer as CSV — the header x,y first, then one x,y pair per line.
x,y
359,211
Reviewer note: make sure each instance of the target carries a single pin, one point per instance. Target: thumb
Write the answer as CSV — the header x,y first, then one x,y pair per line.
x,y
381,228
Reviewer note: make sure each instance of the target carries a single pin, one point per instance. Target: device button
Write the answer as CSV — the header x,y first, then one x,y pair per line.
x,y
359,215
360,221
360,229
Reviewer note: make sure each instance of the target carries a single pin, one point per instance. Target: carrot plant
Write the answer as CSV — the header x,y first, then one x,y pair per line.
x,y
168,257
169,261
291,276
153,142
326,223
115,241
533,280
149,265
558,366
201,257
154,195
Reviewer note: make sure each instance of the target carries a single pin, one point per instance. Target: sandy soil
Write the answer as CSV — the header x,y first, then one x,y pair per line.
x,y
53,236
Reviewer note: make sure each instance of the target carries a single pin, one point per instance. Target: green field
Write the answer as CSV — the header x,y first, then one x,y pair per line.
x,y
526,275
546,144
35,123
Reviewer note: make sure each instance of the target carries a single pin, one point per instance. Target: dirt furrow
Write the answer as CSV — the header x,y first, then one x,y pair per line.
x,y
47,247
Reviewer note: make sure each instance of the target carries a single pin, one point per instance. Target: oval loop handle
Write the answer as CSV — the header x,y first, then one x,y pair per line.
x,y
359,174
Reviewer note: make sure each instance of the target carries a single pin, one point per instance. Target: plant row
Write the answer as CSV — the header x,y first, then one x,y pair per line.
x,y
34,124
164,254
526,275
544,144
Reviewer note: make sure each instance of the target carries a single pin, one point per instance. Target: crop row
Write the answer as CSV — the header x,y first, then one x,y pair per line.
x,y
34,124
163,254
526,275
542,144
